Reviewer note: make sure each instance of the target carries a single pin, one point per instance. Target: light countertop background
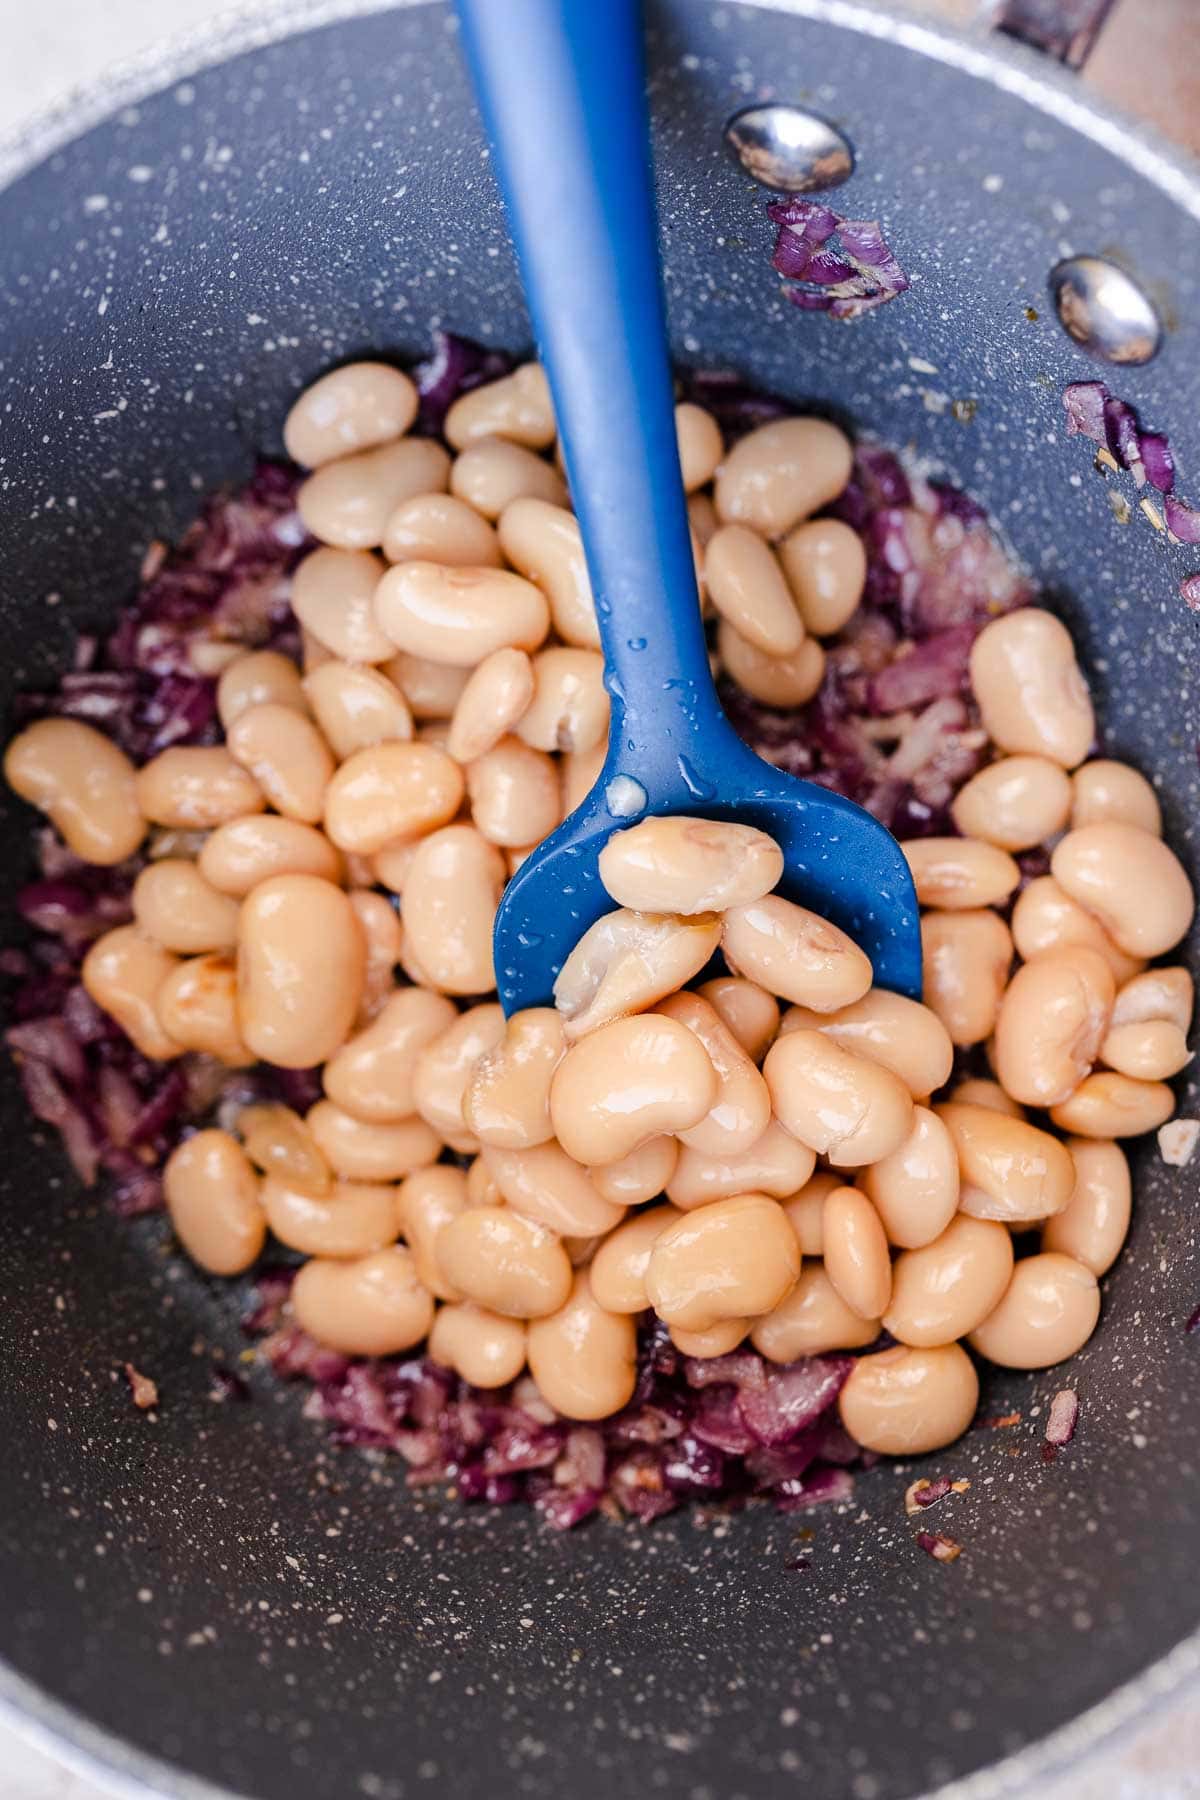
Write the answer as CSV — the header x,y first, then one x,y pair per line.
x,y
56,45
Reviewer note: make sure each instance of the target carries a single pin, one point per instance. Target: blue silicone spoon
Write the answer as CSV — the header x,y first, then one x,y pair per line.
x,y
562,89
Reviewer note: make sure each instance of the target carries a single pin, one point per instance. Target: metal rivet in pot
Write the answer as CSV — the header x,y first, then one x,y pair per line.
x,y
1105,310
789,148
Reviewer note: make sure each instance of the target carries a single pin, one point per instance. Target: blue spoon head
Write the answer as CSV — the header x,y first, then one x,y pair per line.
x,y
838,861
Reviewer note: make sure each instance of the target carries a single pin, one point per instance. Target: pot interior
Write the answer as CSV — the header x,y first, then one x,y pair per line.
x,y
224,1590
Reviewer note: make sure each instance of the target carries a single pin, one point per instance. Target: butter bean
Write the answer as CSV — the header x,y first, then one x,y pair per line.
x,y
903,1402
196,788
391,791
736,1258
782,681
1015,803
372,1306
507,1102
348,503
123,972
811,1320
253,679
741,1111
641,1175
491,474
915,1190
967,956
569,708
1104,791
212,1198
83,783
702,517
451,893
459,615
629,1081
856,1252
700,445
358,1151
718,1340
372,1076
978,1092
514,794
945,1289
495,698
244,852
197,1009
440,528
903,1036
286,755
583,1358
426,1201
1093,1226
960,872
795,953
778,1164
747,1009
1030,689
481,1189
781,472
443,1068
1165,994
1131,881
1153,1051
545,1184
351,408
173,904
431,689
542,540
748,588
1108,1105
618,1269
278,1142
806,1211
301,966
626,962
1011,1171
685,865
1048,1312
481,1347
826,567
505,1262
517,407
1051,1024
1046,918
333,596
845,1107
352,1219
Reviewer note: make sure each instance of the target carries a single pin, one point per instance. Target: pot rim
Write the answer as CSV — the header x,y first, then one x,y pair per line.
x,y
64,1733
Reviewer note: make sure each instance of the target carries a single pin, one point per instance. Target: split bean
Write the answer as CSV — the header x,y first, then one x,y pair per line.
x,y
348,503
1094,1224
826,567
568,708
583,1358
795,954
1015,803
1051,1024
301,966
1153,1051
351,408
1029,687
1010,1170
333,596
915,1190
371,1306
1131,881
627,961
845,1107
1157,994
946,1288
1049,1311
735,1258
212,1197
781,472
905,1401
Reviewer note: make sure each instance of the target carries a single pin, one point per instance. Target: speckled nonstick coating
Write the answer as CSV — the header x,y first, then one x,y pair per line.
x,y
218,1588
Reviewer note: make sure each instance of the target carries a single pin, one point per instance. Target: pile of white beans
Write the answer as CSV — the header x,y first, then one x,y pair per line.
x,y
793,1179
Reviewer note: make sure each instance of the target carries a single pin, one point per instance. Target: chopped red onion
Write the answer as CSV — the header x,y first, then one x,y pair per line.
x,y
454,366
925,1493
942,1549
1189,587
1064,1412
845,282
1183,521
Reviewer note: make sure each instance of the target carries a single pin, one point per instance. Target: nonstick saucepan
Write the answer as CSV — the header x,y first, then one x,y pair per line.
x,y
218,1600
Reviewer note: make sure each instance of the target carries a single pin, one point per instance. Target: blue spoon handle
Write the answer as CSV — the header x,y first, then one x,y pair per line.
x,y
562,89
